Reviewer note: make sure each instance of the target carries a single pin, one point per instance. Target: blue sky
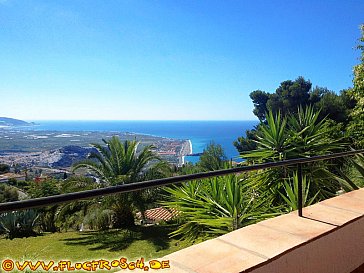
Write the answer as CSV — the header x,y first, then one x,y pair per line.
x,y
175,60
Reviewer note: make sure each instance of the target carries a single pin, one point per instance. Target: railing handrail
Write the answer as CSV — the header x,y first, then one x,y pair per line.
x,y
68,197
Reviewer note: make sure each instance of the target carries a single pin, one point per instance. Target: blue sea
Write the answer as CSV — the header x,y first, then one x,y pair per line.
x,y
201,133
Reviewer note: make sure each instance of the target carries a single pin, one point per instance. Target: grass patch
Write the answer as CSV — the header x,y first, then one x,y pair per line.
x,y
147,242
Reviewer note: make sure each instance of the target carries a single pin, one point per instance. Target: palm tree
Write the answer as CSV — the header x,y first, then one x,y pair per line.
x,y
72,215
119,163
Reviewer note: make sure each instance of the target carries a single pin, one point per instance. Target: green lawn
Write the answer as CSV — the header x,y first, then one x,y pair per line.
x,y
147,242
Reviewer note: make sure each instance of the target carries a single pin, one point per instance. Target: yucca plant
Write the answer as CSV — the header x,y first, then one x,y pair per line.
x,y
358,164
271,139
215,206
353,178
291,192
295,136
310,136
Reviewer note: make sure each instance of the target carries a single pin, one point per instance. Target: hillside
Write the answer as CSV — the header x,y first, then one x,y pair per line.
x,y
13,122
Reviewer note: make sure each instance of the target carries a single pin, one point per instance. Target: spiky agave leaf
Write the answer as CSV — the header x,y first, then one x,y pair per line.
x,y
291,192
215,206
299,135
356,179
271,140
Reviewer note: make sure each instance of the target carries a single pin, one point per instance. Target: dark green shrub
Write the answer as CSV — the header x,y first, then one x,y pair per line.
x,y
18,224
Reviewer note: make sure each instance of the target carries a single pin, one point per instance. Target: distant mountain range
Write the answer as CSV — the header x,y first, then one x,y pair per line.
x,y
14,122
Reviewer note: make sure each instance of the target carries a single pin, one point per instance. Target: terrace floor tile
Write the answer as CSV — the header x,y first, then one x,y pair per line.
x,y
214,256
348,202
330,215
263,240
298,226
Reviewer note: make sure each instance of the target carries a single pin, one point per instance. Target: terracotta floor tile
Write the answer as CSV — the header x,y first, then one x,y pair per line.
x,y
358,194
263,240
232,263
299,226
345,202
214,252
175,267
250,246
330,215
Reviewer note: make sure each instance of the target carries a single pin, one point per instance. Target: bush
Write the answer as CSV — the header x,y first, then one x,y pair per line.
x,y
8,193
99,219
4,168
18,224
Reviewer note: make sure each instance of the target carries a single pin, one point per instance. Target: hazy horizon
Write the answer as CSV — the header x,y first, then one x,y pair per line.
x,y
132,120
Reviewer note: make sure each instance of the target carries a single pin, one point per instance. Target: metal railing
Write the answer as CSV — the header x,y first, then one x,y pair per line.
x,y
62,198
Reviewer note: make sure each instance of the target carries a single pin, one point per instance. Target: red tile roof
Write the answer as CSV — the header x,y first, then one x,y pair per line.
x,y
158,214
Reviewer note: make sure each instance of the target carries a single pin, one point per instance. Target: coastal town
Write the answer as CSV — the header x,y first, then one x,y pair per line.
x,y
52,153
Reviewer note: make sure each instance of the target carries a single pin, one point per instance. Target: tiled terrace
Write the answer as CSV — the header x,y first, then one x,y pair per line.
x,y
329,238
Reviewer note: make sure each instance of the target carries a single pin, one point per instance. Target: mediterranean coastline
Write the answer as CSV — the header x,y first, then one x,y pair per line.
x,y
59,144
60,149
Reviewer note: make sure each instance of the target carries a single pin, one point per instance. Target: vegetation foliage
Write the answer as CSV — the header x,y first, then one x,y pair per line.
x,y
216,206
119,163
19,223
296,121
8,193
356,126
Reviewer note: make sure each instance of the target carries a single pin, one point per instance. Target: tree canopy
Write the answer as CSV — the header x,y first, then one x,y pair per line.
x,y
290,95
212,158
287,98
4,168
356,126
8,193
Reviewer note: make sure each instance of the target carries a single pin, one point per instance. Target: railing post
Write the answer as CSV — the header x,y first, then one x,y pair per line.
x,y
300,199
